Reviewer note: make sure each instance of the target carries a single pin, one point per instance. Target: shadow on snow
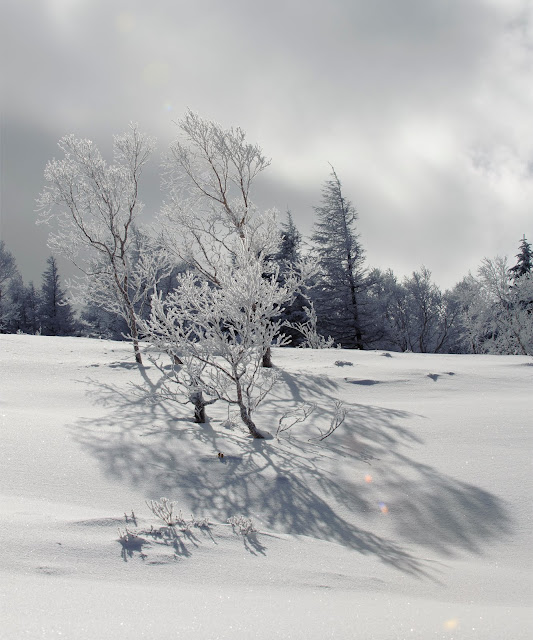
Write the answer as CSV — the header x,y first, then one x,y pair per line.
x,y
287,484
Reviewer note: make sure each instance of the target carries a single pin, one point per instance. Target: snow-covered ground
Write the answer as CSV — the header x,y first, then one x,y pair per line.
x,y
412,521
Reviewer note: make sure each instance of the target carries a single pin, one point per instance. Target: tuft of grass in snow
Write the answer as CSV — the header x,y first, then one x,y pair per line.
x,y
242,525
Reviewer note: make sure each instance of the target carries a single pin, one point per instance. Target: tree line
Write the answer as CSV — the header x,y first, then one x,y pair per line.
x,y
334,297
26,309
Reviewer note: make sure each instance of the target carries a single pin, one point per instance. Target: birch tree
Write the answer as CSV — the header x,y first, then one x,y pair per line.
x,y
222,317
209,174
216,335
93,208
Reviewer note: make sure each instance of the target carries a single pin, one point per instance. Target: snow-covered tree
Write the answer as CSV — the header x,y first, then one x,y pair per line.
x,y
32,303
288,252
217,335
221,318
94,207
524,262
8,274
497,310
209,172
413,315
288,259
339,262
427,316
55,313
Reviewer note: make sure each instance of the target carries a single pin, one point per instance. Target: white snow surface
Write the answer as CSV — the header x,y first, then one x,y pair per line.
x,y
412,521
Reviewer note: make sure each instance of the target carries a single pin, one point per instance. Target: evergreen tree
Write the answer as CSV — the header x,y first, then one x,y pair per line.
x,y
288,257
98,322
8,273
340,277
32,305
57,316
16,309
524,262
290,243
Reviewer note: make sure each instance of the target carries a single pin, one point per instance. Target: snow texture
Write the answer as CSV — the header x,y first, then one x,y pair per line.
x,y
413,520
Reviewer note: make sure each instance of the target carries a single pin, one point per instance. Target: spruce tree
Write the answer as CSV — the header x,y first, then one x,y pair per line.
x,y
32,305
290,243
288,257
57,316
340,277
524,262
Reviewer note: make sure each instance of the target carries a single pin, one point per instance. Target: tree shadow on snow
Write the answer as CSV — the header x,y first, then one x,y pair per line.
x,y
291,485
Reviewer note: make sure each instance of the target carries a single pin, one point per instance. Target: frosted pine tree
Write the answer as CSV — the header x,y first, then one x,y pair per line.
x,y
56,315
340,272
524,262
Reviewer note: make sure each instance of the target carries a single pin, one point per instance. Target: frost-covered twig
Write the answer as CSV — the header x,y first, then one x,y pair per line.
x,y
294,416
339,415
313,340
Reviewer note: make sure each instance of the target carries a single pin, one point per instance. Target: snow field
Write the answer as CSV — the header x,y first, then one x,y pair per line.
x,y
413,520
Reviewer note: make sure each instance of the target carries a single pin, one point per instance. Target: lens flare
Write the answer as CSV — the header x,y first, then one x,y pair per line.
x,y
453,623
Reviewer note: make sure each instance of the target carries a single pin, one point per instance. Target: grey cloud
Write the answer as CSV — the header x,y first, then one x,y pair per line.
x,y
411,101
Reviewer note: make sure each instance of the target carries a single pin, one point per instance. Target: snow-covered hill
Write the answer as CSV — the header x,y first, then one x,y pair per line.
x,y
413,520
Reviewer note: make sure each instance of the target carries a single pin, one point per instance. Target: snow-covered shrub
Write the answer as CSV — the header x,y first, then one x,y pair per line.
x,y
338,417
165,510
294,416
312,339
242,525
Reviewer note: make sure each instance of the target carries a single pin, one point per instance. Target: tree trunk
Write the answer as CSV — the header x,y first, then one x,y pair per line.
x,y
245,413
137,351
134,333
199,407
245,416
267,358
132,324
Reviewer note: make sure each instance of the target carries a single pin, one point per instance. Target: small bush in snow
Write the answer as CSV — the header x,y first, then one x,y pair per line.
x,y
242,525
339,415
200,523
312,339
128,538
294,416
165,510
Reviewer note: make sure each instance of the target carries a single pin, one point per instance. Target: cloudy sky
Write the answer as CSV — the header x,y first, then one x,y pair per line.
x,y
424,107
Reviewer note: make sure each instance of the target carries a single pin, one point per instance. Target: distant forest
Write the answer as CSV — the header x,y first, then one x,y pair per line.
x,y
316,293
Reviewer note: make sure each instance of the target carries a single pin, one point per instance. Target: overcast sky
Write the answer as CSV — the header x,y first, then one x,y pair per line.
x,y
424,107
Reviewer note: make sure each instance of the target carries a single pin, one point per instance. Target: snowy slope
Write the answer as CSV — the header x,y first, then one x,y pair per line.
x,y
413,520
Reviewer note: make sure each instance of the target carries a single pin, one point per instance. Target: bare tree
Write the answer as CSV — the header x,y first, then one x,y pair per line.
x,y
94,207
